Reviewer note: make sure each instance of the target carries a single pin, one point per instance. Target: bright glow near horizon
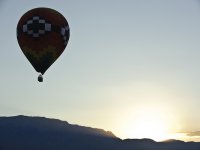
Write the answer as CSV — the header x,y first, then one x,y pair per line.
x,y
149,127
148,123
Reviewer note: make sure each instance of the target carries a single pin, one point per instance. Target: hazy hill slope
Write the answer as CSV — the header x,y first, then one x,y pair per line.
x,y
35,133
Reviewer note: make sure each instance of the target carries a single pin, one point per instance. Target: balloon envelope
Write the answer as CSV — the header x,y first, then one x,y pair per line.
x,y
42,34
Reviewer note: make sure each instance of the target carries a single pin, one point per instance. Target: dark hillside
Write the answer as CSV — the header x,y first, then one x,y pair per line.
x,y
39,133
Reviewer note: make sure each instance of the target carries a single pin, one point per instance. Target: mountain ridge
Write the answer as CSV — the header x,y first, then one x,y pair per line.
x,y
41,133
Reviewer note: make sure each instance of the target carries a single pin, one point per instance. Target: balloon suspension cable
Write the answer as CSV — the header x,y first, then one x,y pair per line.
x,y
40,78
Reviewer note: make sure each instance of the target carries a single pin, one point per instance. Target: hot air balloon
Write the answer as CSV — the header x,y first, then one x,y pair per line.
x,y
42,34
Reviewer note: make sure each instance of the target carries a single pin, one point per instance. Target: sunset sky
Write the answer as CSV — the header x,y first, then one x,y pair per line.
x,y
131,67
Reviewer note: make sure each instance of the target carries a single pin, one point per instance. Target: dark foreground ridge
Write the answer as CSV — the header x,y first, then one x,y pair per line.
x,y
39,133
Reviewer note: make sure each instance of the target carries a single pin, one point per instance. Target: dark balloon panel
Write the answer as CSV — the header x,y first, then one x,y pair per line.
x,y
42,34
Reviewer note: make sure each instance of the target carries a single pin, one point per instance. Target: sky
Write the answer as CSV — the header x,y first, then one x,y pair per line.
x,y
131,67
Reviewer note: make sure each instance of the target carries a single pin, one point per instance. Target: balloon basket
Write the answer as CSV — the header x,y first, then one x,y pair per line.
x,y
40,78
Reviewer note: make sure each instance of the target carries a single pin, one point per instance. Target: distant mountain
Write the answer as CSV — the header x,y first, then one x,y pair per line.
x,y
39,133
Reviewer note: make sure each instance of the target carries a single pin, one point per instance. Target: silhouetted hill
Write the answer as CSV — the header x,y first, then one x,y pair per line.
x,y
39,133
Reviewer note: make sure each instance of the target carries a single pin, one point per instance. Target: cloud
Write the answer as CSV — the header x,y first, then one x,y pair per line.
x,y
195,133
190,134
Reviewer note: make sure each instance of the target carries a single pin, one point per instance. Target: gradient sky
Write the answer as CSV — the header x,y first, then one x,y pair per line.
x,y
129,66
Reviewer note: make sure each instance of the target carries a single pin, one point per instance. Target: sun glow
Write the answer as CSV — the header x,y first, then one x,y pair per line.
x,y
152,124
149,127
